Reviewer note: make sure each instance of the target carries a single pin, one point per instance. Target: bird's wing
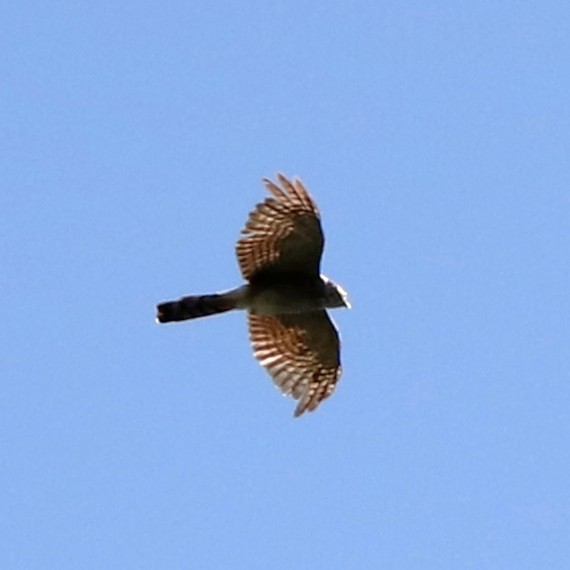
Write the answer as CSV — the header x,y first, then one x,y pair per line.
x,y
301,352
283,233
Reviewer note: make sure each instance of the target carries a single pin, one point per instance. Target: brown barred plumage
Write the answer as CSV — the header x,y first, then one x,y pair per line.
x,y
291,333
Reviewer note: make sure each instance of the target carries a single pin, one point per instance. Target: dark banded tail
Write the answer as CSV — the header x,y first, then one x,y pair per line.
x,y
193,307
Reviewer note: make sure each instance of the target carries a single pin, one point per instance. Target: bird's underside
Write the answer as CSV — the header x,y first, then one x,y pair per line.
x,y
285,296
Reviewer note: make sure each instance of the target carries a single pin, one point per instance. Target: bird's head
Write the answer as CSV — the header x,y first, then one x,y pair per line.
x,y
335,295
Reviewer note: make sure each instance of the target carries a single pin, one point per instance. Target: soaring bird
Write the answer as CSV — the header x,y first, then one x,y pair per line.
x,y
285,295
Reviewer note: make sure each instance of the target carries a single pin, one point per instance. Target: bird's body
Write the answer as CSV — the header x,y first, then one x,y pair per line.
x,y
285,295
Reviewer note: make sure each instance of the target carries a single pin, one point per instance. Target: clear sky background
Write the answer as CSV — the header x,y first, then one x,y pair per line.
x,y
435,137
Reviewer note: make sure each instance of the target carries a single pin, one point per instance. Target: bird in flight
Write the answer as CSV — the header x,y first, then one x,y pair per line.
x,y
285,295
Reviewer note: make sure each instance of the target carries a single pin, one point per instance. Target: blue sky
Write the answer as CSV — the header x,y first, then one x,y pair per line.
x,y
434,137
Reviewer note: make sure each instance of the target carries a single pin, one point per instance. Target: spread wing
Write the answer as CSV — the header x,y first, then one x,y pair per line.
x,y
301,352
283,233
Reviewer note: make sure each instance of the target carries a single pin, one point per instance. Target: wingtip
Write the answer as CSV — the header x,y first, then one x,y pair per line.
x,y
282,179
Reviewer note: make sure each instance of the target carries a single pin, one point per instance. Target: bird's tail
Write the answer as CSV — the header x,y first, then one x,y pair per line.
x,y
195,306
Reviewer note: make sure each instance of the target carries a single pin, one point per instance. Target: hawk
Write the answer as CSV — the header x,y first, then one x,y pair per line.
x,y
286,297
